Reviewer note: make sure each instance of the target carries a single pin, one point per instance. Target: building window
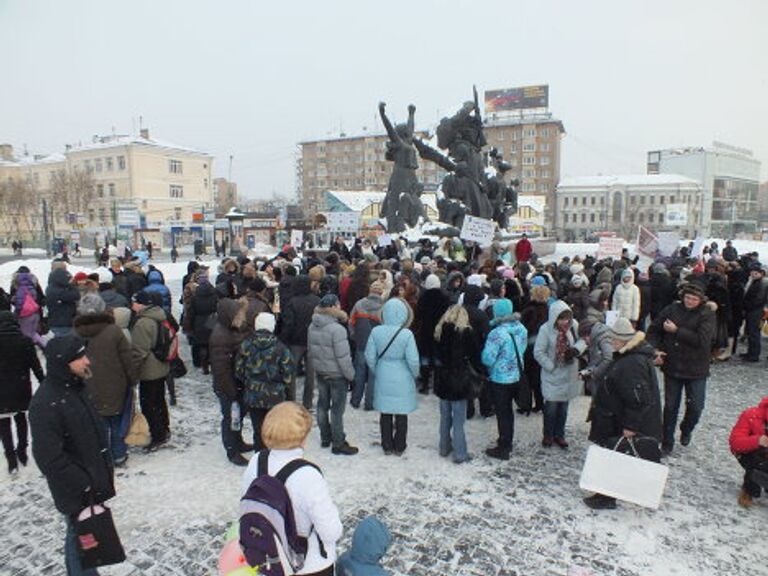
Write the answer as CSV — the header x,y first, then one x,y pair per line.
x,y
513,149
205,183
565,202
583,200
592,200
144,204
653,200
651,217
545,173
592,217
88,166
110,164
91,215
174,167
102,216
661,199
530,133
98,164
583,217
545,133
112,189
602,201
671,199
177,213
641,217
529,173
632,200
544,147
529,160
100,190
121,162
545,160
529,186
529,147
631,217
177,191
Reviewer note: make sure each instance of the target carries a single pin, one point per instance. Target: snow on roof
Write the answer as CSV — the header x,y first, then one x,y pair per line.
x,y
625,180
115,141
357,201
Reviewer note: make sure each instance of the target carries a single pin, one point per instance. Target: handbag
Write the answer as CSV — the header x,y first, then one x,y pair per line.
x,y
98,543
626,477
138,432
178,368
523,394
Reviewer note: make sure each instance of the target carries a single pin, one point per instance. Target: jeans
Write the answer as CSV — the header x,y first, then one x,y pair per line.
x,y
71,556
116,441
555,415
363,381
393,437
453,414
753,320
503,396
331,396
231,439
695,392
298,353
756,460
154,408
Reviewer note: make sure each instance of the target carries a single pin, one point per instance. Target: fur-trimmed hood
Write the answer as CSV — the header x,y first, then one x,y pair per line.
x,y
324,316
636,340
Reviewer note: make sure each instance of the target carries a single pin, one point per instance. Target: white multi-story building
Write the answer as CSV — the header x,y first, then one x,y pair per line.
x,y
661,202
729,177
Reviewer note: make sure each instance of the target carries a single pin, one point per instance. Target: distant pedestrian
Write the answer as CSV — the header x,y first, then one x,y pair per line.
x,y
61,297
749,443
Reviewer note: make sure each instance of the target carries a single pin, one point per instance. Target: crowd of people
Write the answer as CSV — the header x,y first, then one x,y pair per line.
x,y
491,332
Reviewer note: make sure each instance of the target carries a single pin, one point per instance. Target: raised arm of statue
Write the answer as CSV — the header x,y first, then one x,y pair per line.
x,y
428,153
388,125
411,122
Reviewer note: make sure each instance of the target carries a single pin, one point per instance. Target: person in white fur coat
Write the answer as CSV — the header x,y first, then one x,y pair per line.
x,y
626,297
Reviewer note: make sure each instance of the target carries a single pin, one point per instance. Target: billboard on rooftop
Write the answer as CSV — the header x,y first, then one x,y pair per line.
x,y
517,98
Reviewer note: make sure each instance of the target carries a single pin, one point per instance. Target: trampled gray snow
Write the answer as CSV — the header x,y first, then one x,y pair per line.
x,y
524,516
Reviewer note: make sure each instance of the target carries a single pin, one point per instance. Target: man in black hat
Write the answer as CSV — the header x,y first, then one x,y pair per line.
x,y
682,335
755,301
69,440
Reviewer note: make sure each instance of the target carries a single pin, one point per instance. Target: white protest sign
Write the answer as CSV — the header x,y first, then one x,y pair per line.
x,y
343,221
698,247
668,243
610,248
297,237
478,230
384,240
610,317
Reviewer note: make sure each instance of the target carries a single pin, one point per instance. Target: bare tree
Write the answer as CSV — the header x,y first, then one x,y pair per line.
x,y
19,208
71,192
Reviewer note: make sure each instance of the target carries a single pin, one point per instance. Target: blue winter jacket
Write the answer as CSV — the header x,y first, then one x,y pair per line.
x,y
155,285
499,352
394,390
369,543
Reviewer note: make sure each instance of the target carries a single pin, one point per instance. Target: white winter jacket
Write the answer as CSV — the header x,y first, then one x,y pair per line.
x,y
312,506
626,300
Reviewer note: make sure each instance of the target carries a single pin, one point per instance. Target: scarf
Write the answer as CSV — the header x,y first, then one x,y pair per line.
x,y
562,343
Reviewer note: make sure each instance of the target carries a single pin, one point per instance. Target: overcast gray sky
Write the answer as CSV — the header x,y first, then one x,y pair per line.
x,y
251,79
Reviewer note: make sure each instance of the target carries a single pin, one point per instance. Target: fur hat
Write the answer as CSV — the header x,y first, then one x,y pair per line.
x,y
91,304
432,282
622,330
286,426
692,288
265,321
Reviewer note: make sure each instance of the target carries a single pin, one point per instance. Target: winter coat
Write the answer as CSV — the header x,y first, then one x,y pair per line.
x,y
285,289
359,288
533,317
135,280
144,335
752,423
328,344
523,250
756,295
456,350
662,292
266,369
155,285
62,298
559,380
365,316
689,349
297,314
113,299
25,283
628,397
111,363
69,439
429,309
123,321
120,282
578,300
201,307
232,327
369,544
17,357
394,390
626,301
499,351
600,354
478,319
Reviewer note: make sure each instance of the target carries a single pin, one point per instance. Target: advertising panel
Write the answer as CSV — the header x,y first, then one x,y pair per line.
x,y
517,98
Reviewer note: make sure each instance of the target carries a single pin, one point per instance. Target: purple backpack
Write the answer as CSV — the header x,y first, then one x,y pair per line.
x,y
266,518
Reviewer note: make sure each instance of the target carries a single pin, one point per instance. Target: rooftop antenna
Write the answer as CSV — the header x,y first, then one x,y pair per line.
x,y
141,123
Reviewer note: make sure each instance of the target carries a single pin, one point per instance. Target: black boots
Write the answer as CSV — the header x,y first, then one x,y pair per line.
x,y
13,463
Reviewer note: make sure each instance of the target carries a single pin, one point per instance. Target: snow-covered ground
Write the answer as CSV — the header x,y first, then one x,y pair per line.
x,y
485,517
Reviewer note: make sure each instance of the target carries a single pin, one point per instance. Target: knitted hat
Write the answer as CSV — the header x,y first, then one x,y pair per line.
x,y
432,282
538,281
265,321
622,330
64,349
692,288
80,277
502,307
143,298
577,281
329,301
91,304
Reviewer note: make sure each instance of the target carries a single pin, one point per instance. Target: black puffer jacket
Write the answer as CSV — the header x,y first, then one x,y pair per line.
x,y
298,313
69,439
628,397
756,295
662,292
689,349
202,306
429,309
62,297
478,319
456,350
17,358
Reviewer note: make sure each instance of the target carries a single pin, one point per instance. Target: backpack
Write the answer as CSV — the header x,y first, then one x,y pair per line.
x,y
166,346
266,519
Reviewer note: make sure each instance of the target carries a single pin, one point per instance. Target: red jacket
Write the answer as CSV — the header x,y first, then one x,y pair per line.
x,y
745,436
523,250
